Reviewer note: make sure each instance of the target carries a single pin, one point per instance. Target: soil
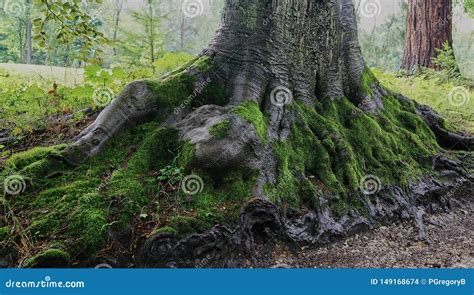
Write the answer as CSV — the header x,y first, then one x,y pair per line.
x,y
451,246
60,129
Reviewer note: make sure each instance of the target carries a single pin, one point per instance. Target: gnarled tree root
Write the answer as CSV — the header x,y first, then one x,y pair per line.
x,y
447,139
262,224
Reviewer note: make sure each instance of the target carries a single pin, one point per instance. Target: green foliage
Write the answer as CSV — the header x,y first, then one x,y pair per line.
x,y
28,101
469,7
170,61
73,25
142,47
434,90
383,46
4,232
446,61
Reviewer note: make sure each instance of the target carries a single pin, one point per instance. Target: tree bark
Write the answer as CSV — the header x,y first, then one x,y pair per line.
x,y
309,49
429,26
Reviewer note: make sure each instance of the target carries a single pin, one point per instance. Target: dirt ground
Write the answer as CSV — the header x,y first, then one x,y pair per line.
x,y
452,246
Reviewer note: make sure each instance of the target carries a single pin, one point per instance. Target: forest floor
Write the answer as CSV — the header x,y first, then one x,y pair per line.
x,y
65,76
395,246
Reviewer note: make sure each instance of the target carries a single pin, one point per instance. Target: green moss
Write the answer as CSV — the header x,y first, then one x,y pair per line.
x,y
329,149
186,155
204,64
188,225
23,159
220,130
48,256
179,89
131,183
211,93
89,225
4,232
164,230
173,90
44,225
346,144
71,205
367,80
250,111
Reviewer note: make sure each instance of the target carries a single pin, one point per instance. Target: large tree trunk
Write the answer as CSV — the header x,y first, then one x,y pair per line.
x,y
283,91
264,51
429,26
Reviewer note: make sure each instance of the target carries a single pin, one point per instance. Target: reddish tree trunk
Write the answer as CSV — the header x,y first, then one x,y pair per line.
x,y
429,26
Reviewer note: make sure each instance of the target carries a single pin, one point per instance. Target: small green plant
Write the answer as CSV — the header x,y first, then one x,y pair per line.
x,y
446,61
170,174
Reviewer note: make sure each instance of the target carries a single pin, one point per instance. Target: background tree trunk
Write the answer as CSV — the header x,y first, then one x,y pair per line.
x,y
118,10
429,26
27,53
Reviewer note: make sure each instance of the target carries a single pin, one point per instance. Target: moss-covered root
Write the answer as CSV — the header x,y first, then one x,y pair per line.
x,y
143,101
49,258
333,147
32,166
